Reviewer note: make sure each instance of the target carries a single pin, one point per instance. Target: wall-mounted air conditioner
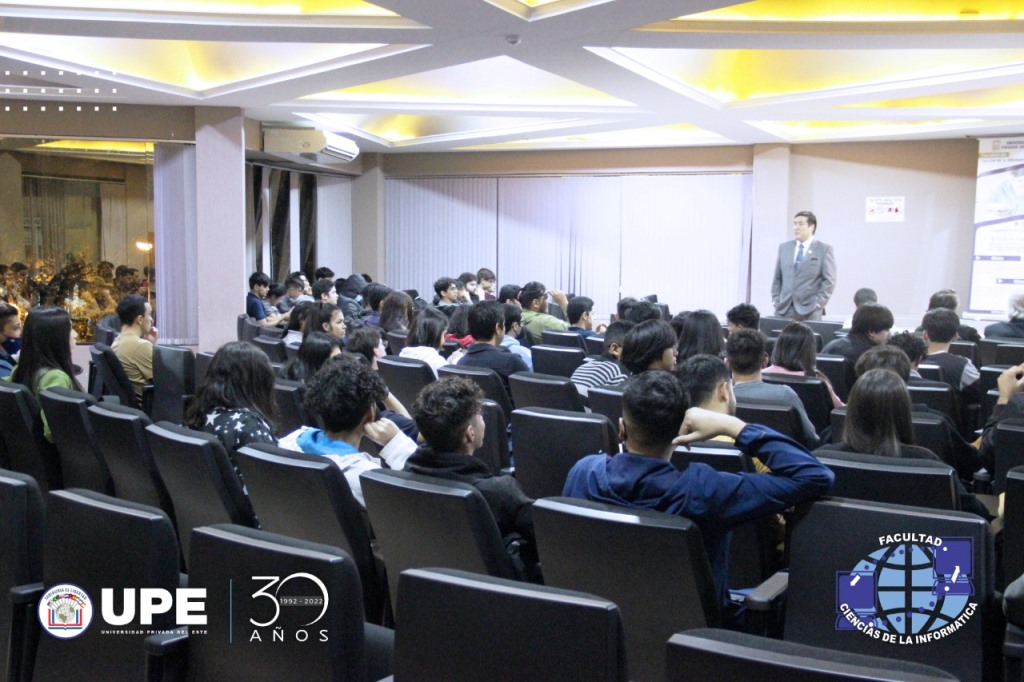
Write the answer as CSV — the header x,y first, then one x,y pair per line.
x,y
308,145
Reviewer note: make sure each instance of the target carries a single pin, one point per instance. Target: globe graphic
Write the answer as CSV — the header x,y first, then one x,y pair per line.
x,y
65,612
906,602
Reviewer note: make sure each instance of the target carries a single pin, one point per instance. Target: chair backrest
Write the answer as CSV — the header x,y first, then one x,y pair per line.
x,y
941,398
21,551
93,542
291,412
917,482
104,335
813,393
534,389
606,400
826,330
987,350
594,345
277,479
240,325
771,326
421,521
405,377
201,481
547,443
497,629
593,547
111,372
121,434
81,461
274,348
203,361
250,329
557,360
396,342
555,310
271,332
551,337
846,555
705,654
1009,441
838,371
1009,354
782,418
21,429
724,458
967,349
174,381
494,451
931,372
1013,527
488,381
323,586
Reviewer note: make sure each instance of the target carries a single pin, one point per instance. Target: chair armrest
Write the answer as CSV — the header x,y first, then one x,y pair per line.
x,y
147,398
166,657
26,594
766,596
982,482
25,630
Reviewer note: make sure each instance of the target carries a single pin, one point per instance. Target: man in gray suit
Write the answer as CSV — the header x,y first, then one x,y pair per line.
x,y
805,272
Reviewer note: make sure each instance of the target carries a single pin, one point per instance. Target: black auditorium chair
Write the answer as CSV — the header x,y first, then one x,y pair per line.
x,y
813,393
557,360
941,398
240,325
202,483
396,342
274,348
271,332
21,556
547,443
81,460
496,630
606,400
851,553
550,337
592,547
839,372
967,349
291,412
1013,527
309,599
26,448
494,451
488,381
594,345
174,382
825,330
782,418
534,389
421,521
250,329
405,377
1009,451
97,542
328,513
121,434
771,326
711,655
115,381
931,372
1009,354
917,482
203,361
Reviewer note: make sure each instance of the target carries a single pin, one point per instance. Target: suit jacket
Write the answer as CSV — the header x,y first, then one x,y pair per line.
x,y
810,286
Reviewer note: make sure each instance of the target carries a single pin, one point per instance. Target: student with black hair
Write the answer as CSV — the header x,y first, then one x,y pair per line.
x,y
316,349
426,337
580,312
605,370
650,345
534,300
10,329
701,334
45,359
134,345
325,317
656,416
259,285
742,316
513,328
487,326
344,396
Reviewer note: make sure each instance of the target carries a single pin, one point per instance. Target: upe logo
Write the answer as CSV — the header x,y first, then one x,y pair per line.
x,y
65,611
915,589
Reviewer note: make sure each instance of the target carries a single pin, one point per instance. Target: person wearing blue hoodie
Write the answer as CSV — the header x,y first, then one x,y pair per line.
x,y
344,394
654,404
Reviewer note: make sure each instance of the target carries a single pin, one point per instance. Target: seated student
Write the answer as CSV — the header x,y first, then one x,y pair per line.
x,y
871,326
235,402
649,345
45,359
469,285
373,299
641,311
624,307
940,325
1014,327
606,369
510,294
324,291
295,291
580,312
795,353
447,295
948,299
426,338
743,316
745,355
367,344
965,456
344,396
259,285
10,328
1009,405
323,272
296,321
878,422
324,317
274,302
860,297
487,282
350,298
134,345
316,349
448,413
534,301
487,325
916,350
396,312
701,334
513,328
458,327
654,405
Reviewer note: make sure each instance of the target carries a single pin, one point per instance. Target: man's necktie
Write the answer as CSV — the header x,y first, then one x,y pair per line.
x,y
799,258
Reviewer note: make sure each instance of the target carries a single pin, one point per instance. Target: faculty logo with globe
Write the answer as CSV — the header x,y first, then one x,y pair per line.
x,y
914,589
65,611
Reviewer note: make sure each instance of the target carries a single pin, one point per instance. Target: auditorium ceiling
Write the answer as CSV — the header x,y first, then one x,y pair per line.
x,y
453,75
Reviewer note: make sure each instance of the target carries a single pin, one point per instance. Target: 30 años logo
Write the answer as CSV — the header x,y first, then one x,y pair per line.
x,y
314,603
914,589
65,611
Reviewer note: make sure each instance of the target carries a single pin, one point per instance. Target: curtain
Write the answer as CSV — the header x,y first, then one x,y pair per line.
x,y
113,222
174,218
45,212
